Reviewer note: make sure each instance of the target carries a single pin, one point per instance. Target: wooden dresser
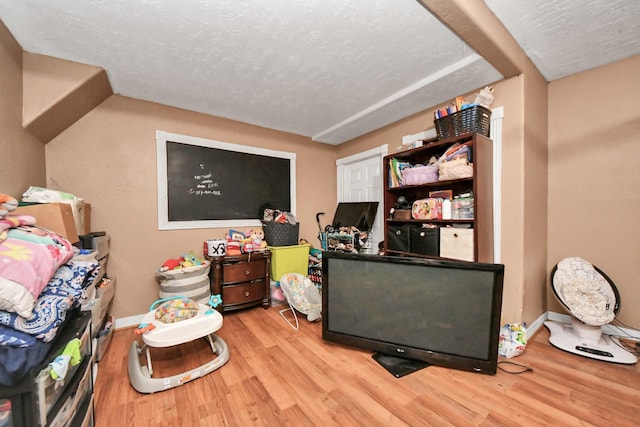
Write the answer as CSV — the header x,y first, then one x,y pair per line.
x,y
241,280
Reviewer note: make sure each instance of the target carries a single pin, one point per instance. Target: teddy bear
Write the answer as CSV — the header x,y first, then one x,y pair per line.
x,y
257,239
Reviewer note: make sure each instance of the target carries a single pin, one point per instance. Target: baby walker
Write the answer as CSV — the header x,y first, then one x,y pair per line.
x,y
177,320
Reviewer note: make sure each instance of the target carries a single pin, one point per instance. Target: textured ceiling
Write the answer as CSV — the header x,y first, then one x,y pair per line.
x,y
331,70
564,37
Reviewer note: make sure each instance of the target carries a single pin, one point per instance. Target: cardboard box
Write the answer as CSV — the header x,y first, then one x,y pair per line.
x,y
57,217
81,212
86,220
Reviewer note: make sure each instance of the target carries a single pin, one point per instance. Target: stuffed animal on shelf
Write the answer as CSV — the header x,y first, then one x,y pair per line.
x,y
234,242
257,239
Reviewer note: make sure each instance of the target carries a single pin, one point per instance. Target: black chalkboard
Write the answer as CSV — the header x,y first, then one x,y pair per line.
x,y
213,181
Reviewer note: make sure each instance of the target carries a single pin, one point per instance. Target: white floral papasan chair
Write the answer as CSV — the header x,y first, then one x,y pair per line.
x,y
301,295
593,301
584,291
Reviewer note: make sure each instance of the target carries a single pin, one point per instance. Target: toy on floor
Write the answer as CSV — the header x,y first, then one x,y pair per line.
x,y
174,321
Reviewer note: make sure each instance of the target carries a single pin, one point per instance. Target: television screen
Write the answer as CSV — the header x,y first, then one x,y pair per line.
x,y
442,312
357,214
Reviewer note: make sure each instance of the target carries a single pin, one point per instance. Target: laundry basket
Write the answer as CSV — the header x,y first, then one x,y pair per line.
x,y
191,282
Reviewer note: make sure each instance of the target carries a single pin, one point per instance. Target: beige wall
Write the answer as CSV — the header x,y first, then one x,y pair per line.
x,y
22,159
534,174
594,176
109,158
58,92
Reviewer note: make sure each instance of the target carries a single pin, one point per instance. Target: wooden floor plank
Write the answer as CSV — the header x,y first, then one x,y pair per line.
x,y
279,376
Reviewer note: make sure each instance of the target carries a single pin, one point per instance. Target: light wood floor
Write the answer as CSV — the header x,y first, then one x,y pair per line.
x,y
277,376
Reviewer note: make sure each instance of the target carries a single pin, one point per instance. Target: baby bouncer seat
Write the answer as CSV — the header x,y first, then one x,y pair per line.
x,y
593,301
301,295
177,320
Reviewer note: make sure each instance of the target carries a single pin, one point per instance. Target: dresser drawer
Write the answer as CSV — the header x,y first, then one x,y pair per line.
x,y
243,271
242,281
244,292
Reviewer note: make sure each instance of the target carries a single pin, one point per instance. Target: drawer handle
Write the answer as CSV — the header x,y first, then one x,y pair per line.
x,y
246,293
247,272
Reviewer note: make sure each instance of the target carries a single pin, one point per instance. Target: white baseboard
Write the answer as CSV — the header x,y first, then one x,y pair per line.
x,y
127,322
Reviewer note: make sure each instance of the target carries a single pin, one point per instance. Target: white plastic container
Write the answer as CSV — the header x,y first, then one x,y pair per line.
x,y
446,209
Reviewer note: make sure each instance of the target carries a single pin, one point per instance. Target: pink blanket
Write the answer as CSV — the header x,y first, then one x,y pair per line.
x,y
29,256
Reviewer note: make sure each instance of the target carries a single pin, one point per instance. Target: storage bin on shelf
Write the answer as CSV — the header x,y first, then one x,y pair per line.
x,y
418,175
289,259
457,243
473,119
455,169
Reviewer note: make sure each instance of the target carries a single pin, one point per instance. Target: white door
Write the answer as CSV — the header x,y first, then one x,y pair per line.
x,y
360,180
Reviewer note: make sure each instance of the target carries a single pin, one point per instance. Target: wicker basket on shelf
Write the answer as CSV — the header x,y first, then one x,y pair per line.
x,y
474,119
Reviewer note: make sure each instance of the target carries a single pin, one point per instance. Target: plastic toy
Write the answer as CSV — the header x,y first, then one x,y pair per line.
x,y
143,328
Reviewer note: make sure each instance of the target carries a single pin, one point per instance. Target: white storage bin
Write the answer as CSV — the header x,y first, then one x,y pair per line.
x,y
456,243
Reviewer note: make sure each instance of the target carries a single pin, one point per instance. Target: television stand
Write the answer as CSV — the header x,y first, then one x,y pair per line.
x,y
398,366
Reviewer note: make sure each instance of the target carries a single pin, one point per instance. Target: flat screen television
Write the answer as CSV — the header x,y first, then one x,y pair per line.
x,y
357,214
414,312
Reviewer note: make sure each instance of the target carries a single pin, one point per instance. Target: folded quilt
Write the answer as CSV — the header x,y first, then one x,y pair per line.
x,y
65,290
29,257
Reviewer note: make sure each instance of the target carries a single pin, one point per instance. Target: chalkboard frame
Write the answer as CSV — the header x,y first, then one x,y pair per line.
x,y
164,223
